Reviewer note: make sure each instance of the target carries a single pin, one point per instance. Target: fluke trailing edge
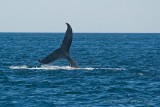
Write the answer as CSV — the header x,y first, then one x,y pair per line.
x,y
63,51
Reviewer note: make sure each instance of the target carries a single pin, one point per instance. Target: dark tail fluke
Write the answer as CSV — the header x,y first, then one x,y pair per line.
x,y
63,51
72,62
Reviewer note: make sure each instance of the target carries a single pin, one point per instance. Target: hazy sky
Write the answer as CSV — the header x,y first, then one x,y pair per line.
x,y
83,15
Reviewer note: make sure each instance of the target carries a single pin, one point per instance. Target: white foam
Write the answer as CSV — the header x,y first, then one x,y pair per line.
x,y
48,67
141,74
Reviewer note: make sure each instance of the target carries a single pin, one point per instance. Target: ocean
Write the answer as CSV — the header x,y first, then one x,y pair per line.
x,y
116,70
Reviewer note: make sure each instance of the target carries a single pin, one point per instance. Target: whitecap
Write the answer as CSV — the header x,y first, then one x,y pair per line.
x,y
49,67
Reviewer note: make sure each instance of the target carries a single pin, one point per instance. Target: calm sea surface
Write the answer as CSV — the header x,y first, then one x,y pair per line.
x,y
115,70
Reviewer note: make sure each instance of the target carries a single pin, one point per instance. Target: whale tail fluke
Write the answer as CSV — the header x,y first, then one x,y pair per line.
x,y
66,43
63,51
55,55
72,62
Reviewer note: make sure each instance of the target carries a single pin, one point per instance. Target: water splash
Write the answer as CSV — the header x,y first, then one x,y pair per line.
x,y
48,67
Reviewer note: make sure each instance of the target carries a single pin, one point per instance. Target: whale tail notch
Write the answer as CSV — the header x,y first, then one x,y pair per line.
x,y
63,51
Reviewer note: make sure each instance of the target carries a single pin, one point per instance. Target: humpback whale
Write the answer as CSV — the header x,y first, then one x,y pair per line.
x,y
63,51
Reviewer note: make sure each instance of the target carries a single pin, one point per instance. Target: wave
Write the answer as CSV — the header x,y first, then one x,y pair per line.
x,y
48,67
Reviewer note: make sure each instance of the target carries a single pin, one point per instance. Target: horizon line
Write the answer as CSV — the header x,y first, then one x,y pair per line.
x,y
84,32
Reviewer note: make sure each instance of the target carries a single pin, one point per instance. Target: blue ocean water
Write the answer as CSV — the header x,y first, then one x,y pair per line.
x,y
115,70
